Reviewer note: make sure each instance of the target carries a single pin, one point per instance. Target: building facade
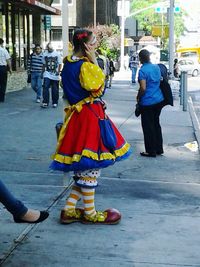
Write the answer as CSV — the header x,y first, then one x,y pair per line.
x,y
106,12
22,24
81,14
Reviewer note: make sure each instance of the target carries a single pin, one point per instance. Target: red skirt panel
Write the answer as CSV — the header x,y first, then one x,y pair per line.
x,y
83,132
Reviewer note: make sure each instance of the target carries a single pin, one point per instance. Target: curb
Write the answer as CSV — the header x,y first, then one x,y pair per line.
x,y
195,121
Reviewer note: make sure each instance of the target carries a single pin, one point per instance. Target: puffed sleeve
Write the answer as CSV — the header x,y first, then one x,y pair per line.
x,y
92,79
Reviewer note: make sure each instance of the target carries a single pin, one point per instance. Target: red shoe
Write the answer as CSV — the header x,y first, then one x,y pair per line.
x,y
71,215
109,216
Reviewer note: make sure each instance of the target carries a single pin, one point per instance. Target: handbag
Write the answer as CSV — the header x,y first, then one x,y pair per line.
x,y
167,93
29,78
137,110
108,135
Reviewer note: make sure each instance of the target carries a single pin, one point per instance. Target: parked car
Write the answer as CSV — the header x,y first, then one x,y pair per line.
x,y
190,65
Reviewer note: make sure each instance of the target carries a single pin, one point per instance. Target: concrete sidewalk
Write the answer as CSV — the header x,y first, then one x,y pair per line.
x,y
158,197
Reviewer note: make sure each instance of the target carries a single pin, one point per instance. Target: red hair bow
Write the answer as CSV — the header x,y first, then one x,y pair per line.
x,y
82,35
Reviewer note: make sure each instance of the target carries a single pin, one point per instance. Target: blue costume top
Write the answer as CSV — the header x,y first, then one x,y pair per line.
x,y
73,70
81,79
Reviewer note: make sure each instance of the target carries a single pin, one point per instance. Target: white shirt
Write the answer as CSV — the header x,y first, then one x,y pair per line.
x,y
4,56
52,61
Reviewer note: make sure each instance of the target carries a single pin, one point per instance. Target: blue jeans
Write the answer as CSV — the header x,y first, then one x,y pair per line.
x,y
13,205
54,91
36,83
134,71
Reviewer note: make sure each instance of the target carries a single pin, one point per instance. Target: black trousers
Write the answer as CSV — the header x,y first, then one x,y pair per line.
x,y
54,91
3,82
152,131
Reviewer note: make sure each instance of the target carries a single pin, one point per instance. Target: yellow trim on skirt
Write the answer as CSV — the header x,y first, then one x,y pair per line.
x,y
90,154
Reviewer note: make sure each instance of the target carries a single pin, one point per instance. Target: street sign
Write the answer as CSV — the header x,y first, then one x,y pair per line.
x,y
160,31
47,22
164,55
163,9
177,9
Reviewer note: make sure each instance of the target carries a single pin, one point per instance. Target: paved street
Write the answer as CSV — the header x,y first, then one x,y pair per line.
x,y
159,198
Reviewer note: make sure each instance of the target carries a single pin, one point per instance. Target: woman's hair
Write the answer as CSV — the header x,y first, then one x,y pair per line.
x,y
144,56
81,36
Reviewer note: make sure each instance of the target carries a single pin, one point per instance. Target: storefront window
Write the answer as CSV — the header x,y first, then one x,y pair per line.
x,y
57,2
56,34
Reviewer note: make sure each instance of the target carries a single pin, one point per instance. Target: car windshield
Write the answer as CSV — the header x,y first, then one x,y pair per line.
x,y
182,62
189,54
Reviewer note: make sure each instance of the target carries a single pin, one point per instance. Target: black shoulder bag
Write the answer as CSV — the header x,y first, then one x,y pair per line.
x,y
167,92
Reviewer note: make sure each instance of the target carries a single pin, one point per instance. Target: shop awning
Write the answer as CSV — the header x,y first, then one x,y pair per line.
x,y
37,6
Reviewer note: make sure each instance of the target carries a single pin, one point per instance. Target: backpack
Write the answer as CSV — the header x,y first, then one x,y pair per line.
x,y
167,92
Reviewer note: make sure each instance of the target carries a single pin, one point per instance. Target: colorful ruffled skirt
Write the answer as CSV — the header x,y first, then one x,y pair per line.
x,y
81,146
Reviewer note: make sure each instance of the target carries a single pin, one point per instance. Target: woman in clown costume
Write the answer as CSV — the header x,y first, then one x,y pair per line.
x,y
80,147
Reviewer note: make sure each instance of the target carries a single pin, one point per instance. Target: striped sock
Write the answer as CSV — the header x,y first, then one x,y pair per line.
x,y
74,196
88,200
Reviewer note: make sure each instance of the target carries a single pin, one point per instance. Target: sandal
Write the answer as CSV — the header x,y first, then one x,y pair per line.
x,y
109,216
71,215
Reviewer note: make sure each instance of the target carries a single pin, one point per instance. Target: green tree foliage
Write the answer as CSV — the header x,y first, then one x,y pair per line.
x,y
108,39
148,18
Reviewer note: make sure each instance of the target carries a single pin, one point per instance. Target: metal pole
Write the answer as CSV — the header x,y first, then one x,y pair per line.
x,y
65,27
171,38
95,13
185,94
122,35
181,89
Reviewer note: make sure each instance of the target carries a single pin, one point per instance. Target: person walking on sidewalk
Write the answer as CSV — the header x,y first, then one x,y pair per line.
x,y
35,68
111,71
133,65
81,147
176,68
150,99
21,214
5,66
51,66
